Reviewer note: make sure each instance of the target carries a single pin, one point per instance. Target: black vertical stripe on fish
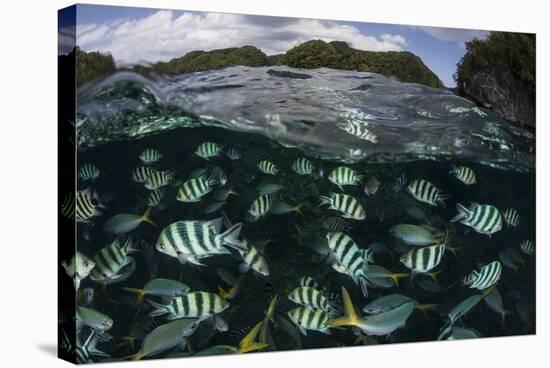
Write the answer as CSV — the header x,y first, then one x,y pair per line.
x,y
310,315
186,308
198,303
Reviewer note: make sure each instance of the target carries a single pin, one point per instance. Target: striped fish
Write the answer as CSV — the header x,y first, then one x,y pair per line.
x,y
511,217
150,156
486,277
485,219
112,263
400,182
348,206
310,297
207,150
260,207
335,224
88,172
219,176
302,166
424,191
367,254
191,305
159,179
310,319
253,259
193,190
527,247
349,256
233,154
308,281
78,268
464,174
424,259
68,206
142,173
155,197
87,205
83,351
360,131
268,167
189,241
343,175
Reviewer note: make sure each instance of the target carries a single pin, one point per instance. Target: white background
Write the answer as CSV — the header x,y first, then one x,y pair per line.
x,y
28,259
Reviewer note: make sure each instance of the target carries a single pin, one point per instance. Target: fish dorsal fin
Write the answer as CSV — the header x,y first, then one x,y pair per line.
x,y
216,224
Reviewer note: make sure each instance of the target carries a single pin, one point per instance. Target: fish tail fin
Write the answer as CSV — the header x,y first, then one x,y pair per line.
x,y
350,317
426,307
248,344
231,237
396,276
223,293
298,209
140,293
126,340
454,251
160,309
299,230
433,275
324,200
136,356
503,315
462,213
147,217
232,191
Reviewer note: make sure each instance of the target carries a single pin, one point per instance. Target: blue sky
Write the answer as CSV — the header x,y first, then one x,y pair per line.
x,y
141,35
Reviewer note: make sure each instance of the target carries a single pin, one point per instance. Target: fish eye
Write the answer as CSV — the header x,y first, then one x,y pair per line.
x,y
85,263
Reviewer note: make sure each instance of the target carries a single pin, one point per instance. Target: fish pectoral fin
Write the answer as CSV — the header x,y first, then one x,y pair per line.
x,y
302,330
186,257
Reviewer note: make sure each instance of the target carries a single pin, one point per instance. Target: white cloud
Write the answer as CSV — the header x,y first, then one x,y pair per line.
x,y
165,34
455,34
394,39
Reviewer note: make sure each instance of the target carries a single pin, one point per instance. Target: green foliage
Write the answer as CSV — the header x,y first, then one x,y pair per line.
x,y
195,61
406,66
501,52
91,65
311,54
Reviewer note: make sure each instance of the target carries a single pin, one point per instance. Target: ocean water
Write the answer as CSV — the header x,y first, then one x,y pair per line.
x,y
280,115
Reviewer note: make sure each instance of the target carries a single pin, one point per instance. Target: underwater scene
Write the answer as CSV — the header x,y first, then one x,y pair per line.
x,y
242,208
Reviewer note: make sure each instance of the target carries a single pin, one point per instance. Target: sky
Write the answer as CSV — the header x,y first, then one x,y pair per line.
x,y
142,35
